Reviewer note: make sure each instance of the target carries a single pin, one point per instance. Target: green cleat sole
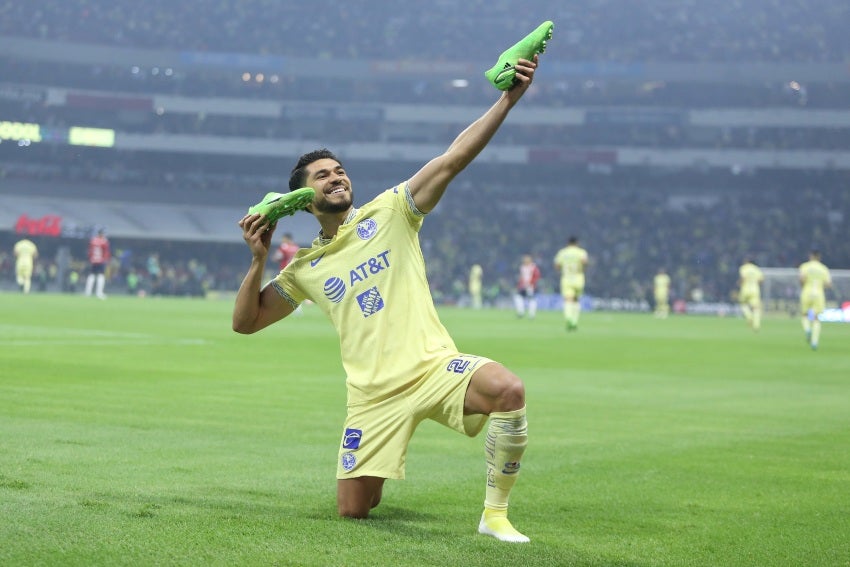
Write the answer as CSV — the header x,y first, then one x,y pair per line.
x,y
503,73
275,206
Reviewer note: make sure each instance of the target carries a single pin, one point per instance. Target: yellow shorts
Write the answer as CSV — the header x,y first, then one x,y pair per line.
x,y
23,270
376,435
753,299
571,292
813,301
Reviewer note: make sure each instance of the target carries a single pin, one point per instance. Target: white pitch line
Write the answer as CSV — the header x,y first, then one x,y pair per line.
x,y
100,342
30,335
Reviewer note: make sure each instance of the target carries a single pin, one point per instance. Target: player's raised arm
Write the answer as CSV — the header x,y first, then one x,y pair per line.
x,y
512,74
429,183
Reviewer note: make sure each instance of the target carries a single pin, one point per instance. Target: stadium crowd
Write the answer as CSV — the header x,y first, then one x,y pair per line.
x,y
599,30
631,225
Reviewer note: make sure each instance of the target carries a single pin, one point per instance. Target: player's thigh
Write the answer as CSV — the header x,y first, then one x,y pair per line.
x,y
807,304
442,394
375,439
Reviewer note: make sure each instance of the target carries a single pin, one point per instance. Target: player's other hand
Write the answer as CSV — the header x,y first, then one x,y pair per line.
x,y
257,233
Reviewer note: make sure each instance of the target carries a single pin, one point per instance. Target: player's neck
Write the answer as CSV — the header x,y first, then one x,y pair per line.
x,y
330,222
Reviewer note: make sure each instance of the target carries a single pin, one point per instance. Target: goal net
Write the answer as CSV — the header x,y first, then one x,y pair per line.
x,y
780,291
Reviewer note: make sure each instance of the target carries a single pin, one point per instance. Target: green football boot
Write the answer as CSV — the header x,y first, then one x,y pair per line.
x,y
503,73
278,205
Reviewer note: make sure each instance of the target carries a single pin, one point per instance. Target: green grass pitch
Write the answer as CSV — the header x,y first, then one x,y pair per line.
x,y
145,432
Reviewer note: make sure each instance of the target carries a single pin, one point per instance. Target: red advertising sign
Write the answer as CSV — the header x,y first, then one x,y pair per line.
x,y
48,225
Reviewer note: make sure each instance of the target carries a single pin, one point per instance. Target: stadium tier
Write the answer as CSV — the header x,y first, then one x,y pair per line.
x,y
697,137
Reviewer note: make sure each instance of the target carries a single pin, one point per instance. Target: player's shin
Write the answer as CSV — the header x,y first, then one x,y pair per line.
x,y
507,437
815,333
519,304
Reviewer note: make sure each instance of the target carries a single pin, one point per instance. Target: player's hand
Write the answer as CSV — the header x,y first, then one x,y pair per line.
x,y
523,79
257,233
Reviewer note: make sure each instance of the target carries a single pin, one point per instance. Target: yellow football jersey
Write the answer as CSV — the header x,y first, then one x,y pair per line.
x,y
25,252
751,277
571,259
370,281
815,277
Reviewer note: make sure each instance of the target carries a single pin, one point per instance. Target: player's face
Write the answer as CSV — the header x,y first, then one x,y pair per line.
x,y
332,185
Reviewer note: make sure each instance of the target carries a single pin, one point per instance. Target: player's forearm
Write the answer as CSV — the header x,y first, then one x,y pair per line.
x,y
477,135
246,308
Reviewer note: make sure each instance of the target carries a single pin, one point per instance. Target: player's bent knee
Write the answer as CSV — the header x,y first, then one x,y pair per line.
x,y
513,395
353,513
356,496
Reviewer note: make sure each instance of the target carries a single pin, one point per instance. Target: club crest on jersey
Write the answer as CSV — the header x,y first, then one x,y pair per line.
x,y
366,229
370,301
334,289
348,461
351,438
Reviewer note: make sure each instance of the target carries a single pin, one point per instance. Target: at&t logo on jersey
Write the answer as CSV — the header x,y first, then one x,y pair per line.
x,y
372,266
334,289
366,229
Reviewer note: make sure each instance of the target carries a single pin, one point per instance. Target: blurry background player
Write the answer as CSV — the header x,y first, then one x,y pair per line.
x,y
99,256
525,298
476,274
25,254
571,262
285,251
749,295
661,294
815,278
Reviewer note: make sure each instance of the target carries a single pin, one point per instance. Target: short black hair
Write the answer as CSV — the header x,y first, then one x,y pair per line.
x,y
298,175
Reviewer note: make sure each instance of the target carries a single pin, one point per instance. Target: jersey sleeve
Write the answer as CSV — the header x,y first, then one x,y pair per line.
x,y
284,284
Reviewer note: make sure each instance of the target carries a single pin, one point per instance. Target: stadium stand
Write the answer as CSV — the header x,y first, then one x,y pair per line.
x,y
683,137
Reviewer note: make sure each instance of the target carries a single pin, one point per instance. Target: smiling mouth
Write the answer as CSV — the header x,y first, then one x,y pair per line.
x,y
337,190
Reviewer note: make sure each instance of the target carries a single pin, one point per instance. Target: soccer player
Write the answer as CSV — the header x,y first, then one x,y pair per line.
x,y
365,270
476,274
525,298
285,251
750,277
814,278
661,293
571,261
25,252
99,256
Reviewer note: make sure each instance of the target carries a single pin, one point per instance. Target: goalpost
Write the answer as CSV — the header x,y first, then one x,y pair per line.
x,y
780,291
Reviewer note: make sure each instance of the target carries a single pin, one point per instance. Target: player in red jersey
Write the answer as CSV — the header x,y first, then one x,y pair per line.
x,y
99,256
525,298
285,251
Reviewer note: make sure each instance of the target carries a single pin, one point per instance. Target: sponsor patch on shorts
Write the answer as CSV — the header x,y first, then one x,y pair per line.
x,y
351,439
